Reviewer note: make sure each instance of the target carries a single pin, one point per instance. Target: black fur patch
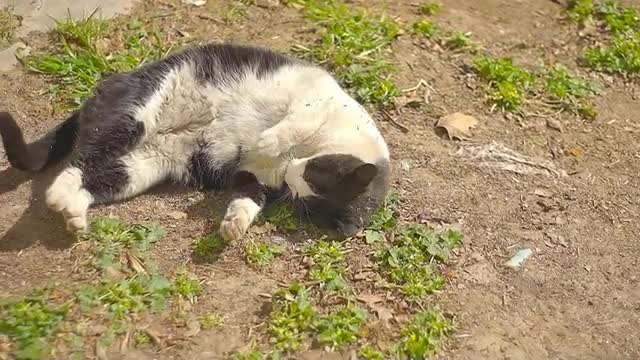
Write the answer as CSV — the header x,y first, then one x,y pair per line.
x,y
48,150
349,191
246,185
203,175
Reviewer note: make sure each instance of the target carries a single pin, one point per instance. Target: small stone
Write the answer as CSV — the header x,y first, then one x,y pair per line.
x,y
8,59
177,215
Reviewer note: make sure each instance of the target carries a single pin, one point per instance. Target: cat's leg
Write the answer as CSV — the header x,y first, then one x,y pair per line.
x,y
284,135
83,184
248,199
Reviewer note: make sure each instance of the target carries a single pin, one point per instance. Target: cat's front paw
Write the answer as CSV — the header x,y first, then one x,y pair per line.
x,y
235,224
269,145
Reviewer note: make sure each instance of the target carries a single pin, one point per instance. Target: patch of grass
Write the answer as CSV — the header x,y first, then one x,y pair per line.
x,y
352,44
622,56
580,10
369,353
508,82
408,262
235,10
458,40
620,53
141,338
421,337
571,91
257,355
139,293
386,218
30,323
79,62
328,264
426,28
430,8
9,22
186,286
292,318
619,20
340,327
209,248
112,238
282,215
211,320
261,254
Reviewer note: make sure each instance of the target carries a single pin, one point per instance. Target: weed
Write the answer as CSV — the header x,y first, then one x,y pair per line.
x,y
282,215
420,338
257,355
141,292
352,44
561,84
111,237
209,248
341,327
78,61
292,318
509,82
211,320
458,40
385,218
571,91
328,264
425,28
619,20
187,287
621,57
580,10
408,262
9,22
261,254
141,338
369,353
235,10
430,8
30,323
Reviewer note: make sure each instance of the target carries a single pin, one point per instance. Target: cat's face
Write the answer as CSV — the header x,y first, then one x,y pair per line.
x,y
338,191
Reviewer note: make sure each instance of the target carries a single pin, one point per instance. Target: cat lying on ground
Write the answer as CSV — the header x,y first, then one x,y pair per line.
x,y
217,116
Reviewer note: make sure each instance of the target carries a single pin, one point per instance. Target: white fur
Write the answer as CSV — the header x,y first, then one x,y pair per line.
x,y
67,196
282,119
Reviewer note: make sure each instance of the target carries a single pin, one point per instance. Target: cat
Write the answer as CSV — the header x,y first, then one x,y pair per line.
x,y
220,117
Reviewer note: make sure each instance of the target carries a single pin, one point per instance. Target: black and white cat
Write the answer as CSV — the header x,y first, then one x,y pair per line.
x,y
216,116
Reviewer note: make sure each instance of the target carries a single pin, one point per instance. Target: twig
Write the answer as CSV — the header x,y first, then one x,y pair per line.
x,y
394,122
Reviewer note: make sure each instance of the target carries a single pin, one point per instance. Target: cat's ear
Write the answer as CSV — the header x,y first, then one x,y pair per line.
x,y
359,178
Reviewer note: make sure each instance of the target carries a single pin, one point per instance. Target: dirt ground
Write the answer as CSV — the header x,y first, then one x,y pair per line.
x,y
577,297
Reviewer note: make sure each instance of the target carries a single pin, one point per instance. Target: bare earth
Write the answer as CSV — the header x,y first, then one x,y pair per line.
x,y
577,297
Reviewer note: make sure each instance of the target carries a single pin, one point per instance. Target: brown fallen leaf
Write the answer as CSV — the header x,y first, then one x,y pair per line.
x,y
193,327
456,126
383,313
369,299
135,263
554,124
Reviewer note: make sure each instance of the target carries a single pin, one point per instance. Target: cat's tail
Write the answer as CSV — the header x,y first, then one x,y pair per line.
x,y
48,150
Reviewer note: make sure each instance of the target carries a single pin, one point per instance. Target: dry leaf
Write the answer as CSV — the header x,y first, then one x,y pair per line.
x,y
194,2
554,124
193,327
383,313
135,263
369,299
456,126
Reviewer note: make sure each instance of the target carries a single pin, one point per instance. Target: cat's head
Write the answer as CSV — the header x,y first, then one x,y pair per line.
x,y
338,191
